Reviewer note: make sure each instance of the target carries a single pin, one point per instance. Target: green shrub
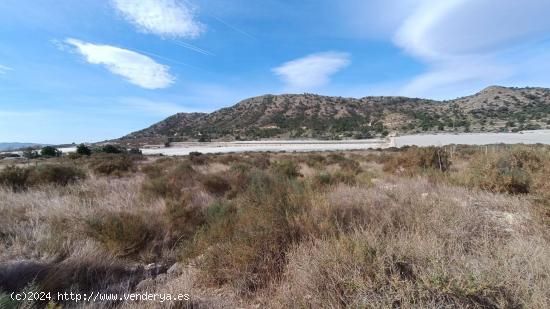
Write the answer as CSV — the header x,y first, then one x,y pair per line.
x,y
50,151
323,178
30,153
83,150
112,149
135,151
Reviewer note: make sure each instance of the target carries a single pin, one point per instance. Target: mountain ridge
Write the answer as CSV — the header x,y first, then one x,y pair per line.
x,y
8,146
493,109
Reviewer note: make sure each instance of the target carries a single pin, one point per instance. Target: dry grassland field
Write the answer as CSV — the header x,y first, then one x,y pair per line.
x,y
436,227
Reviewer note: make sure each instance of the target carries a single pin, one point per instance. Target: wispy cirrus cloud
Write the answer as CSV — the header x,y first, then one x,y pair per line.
x,y
5,69
465,27
136,68
160,108
165,18
313,70
470,44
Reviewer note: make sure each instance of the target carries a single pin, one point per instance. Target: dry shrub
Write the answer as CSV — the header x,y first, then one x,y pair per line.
x,y
508,172
60,175
183,216
112,164
335,158
328,274
260,161
324,178
154,170
358,272
287,168
122,233
412,160
159,187
315,160
240,167
324,241
240,177
228,159
57,235
15,178
198,158
216,184
441,249
541,185
350,166
18,178
247,247
168,180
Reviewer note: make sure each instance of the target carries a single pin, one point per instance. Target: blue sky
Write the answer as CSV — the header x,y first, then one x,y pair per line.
x,y
89,70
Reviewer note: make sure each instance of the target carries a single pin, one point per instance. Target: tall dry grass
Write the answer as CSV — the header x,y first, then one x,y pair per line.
x,y
362,229
419,245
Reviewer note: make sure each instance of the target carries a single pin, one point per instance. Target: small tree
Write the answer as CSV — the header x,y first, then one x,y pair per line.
x,y
30,153
135,151
205,139
50,151
112,149
83,150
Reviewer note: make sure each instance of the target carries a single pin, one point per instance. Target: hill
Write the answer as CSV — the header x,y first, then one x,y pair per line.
x,y
14,146
313,116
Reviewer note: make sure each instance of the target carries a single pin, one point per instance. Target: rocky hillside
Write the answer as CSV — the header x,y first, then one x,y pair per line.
x,y
314,116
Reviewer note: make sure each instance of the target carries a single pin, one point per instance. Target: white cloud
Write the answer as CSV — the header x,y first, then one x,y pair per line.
x,y
134,67
4,69
456,77
368,19
312,71
166,18
451,27
469,44
160,108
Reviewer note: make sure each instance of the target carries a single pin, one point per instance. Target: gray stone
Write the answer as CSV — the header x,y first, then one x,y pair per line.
x,y
176,269
145,285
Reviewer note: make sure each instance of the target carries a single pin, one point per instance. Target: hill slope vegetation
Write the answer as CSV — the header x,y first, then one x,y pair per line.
x,y
495,109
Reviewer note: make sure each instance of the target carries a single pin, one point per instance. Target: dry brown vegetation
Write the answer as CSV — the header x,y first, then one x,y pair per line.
x,y
402,228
